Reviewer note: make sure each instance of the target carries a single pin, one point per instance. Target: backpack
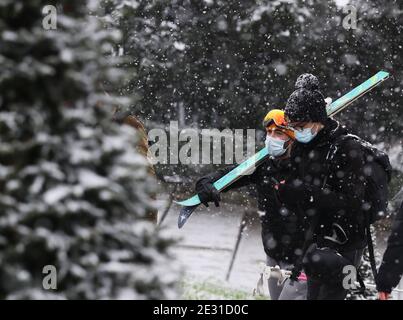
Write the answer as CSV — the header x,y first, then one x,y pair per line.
x,y
377,172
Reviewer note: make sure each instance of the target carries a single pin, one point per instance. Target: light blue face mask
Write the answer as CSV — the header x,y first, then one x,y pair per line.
x,y
275,146
304,135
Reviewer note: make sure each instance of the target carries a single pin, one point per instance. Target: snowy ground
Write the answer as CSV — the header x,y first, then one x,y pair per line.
x,y
208,240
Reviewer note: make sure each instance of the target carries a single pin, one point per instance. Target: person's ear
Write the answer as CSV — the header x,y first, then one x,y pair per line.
x,y
317,127
312,126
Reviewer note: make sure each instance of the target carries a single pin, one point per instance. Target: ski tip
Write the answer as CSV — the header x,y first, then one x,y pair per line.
x,y
184,215
383,74
180,224
181,220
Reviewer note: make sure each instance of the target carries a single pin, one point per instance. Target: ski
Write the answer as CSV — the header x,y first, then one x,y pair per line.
x,y
246,167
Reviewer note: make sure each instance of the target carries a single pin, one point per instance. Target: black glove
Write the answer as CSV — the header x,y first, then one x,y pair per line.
x,y
207,192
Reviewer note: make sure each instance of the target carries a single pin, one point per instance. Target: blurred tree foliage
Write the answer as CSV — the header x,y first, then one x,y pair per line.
x,y
73,189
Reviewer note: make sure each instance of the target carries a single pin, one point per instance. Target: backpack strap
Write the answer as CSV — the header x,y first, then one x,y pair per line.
x,y
334,147
370,244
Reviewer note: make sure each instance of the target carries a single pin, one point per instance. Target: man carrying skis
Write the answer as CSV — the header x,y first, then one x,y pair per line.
x,y
326,188
281,229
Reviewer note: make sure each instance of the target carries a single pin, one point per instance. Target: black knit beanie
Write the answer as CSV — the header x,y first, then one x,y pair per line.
x,y
306,103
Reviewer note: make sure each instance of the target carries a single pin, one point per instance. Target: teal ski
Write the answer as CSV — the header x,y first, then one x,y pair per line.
x,y
247,167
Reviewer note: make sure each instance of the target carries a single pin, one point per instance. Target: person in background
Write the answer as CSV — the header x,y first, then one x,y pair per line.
x,y
126,117
391,269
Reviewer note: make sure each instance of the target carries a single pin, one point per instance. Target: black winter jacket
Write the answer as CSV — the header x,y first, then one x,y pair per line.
x,y
326,179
